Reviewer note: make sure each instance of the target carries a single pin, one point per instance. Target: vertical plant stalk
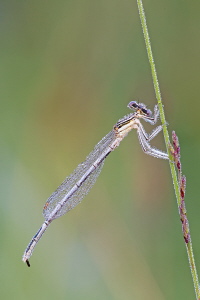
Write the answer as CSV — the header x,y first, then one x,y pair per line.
x,y
179,185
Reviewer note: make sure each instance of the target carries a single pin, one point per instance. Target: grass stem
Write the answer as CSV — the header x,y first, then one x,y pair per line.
x,y
176,182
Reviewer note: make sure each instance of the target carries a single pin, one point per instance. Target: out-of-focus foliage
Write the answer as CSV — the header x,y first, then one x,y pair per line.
x,y
68,71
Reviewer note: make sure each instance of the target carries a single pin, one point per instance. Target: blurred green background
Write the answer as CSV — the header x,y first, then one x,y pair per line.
x,y
68,70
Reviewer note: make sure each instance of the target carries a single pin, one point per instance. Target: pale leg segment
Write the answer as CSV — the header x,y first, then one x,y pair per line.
x,y
144,139
153,120
150,136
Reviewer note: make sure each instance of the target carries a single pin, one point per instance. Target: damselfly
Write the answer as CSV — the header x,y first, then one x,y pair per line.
x,y
77,185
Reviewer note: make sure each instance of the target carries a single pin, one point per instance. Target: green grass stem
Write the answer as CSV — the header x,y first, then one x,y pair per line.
x,y
167,142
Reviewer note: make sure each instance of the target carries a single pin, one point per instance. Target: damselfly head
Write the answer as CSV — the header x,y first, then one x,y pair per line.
x,y
141,107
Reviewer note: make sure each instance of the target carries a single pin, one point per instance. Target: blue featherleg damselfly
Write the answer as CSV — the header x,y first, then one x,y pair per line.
x,y
75,187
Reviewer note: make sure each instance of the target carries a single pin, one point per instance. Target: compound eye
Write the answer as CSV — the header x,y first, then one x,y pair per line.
x,y
133,105
148,112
